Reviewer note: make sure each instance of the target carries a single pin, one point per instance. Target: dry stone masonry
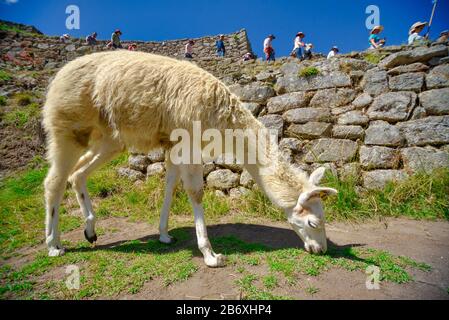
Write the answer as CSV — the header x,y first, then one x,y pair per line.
x,y
379,123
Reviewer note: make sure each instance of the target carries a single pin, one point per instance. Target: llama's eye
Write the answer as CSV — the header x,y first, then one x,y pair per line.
x,y
311,224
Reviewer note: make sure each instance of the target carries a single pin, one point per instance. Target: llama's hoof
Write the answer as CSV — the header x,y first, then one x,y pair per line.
x,y
91,239
55,252
165,238
217,261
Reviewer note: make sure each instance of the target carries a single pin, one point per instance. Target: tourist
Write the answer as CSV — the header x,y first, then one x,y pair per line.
x,y
64,38
298,45
415,30
248,56
91,40
444,36
374,40
221,50
189,49
334,51
115,40
308,51
132,47
268,48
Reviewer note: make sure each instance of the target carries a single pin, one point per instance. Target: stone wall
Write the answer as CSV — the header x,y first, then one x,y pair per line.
x,y
378,123
43,52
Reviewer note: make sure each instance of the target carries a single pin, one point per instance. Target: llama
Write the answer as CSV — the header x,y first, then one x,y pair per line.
x,y
101,104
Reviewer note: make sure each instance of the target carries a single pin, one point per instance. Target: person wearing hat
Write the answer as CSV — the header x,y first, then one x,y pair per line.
x,y
374,40
248,56
298,45
414,32
64,38
308,51
334,51
444,36
268,48
115,39
189,49
91,39
221,50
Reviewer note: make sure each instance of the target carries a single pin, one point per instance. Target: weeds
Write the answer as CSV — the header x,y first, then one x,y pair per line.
x,y
308,72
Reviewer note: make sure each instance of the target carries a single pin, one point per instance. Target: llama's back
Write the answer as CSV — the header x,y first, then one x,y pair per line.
x,y
137,96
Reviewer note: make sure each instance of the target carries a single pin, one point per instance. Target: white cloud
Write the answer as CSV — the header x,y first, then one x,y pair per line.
x,y
11,1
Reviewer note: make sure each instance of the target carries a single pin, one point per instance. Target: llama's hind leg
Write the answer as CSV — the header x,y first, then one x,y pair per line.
x,y
192,177
107,149
172,179
63,155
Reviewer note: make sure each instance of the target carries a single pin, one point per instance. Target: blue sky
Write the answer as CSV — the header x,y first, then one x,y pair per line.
x,y
325,22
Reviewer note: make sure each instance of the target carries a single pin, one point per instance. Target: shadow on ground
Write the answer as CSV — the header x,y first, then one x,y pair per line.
x,y
226,239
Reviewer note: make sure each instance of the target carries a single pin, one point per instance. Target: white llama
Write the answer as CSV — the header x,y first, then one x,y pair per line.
x,y
101,104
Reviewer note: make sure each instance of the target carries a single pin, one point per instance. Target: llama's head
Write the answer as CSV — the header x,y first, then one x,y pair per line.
x,y
307,217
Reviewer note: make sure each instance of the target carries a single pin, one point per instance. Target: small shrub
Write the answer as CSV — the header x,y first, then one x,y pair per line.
x,y
308,72
373,57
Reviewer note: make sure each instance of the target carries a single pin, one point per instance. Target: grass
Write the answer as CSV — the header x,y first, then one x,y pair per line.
x,y
19,117
3,101
125,268
5,27
23,98
308,72
373,57
422,196
4,75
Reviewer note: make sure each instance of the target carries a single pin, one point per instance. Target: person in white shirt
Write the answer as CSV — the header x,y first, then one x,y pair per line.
x,y
414,31
268,48
189,50
308,51
334,51
298,45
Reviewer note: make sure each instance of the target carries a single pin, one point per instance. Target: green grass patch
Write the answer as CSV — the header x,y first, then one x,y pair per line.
x,y
23,98
4,75
422,196
20,117
3,101
308,72
104,273
257,204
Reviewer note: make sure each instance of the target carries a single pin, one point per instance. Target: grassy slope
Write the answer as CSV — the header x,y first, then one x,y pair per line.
x,y
127,267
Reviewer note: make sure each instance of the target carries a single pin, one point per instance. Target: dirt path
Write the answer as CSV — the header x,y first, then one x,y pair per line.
x,y
422,241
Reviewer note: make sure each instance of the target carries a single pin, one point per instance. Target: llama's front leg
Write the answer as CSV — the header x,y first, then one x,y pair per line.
x,y
172,179
192,176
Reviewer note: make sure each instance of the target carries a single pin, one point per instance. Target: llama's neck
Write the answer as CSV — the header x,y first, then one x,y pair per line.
x,y
280,181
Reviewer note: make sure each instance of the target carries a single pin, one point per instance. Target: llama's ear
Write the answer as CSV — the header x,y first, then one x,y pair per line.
x,y
318,192
317,176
